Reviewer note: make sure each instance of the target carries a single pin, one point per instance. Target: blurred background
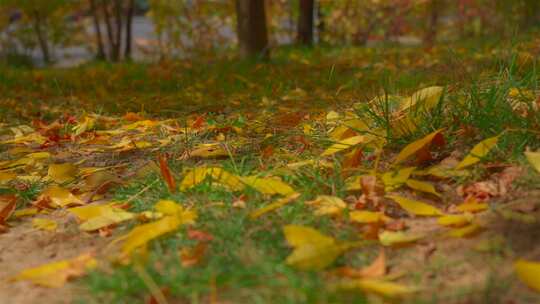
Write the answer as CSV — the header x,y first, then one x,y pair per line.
x,y
71,32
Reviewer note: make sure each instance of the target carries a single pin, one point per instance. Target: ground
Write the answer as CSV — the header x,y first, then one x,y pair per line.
x,y
208,174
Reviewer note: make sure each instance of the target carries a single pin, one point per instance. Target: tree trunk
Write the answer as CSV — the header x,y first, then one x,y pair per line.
x,y
41,36
108,26
129,29
431,30
118,31
95,16
305,22
251,28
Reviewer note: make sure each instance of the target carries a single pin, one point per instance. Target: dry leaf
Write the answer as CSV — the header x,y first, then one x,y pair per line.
x,y
273,206
534,159
478,152
415,207
327,205
390,238
343,145
166,173
62,173
529,273
416,146
44,224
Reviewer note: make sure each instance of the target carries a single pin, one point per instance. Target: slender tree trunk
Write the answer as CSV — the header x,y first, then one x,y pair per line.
x,y
321,26
129,29
431,30
118,31
108,26
95,16
41,36
251,28
305,22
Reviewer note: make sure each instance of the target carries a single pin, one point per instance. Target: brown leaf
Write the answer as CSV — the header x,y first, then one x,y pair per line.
x,y
166,173
8,202
199,235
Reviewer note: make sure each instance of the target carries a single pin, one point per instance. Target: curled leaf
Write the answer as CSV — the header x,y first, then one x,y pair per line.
x,y
478,152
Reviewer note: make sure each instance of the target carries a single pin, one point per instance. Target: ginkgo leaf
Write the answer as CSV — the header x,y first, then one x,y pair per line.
x,y
368,217
478,152
343,145
267,185
273,206
394,179
327,205
62,173
422,186
391,238
56,274
44,224
415,146
534,159
529,273
415,207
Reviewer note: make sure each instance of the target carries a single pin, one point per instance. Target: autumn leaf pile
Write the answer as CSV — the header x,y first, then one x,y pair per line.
x,y
78,162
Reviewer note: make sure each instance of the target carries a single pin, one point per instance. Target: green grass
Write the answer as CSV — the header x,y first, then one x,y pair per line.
x,y
245,261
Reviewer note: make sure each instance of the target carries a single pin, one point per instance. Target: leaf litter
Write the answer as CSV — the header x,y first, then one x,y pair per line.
x,y
382,201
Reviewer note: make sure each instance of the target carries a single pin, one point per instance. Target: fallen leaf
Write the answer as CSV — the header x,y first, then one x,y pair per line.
x,y
534,159
378,286
394,179
478,152
267,185
327,205
529,273
422,187
218,175
343,145
273,206
455,220
60,197
466,231
8,203
142,234
212,150
62,173
166,173
368,217
56,274
44,224
390,238
415,207
312,249
416,146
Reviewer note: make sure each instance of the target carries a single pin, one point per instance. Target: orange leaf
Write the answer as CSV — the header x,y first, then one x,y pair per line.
x,y
8,203
166,173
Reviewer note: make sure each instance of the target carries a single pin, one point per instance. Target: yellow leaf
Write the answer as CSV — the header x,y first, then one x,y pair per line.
x,y
62,173
534,159
168,207
6,177
473,206
44,224
529,273
394,180
273,206
390,238
466,231
268,185
368,217
312,249
142,234
415,146
327,205
379,287
86,125
56,274
209,151
426,98
25,212
422,186
220,176
61,197
109,217
456,220
415,207
478,152
343,145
